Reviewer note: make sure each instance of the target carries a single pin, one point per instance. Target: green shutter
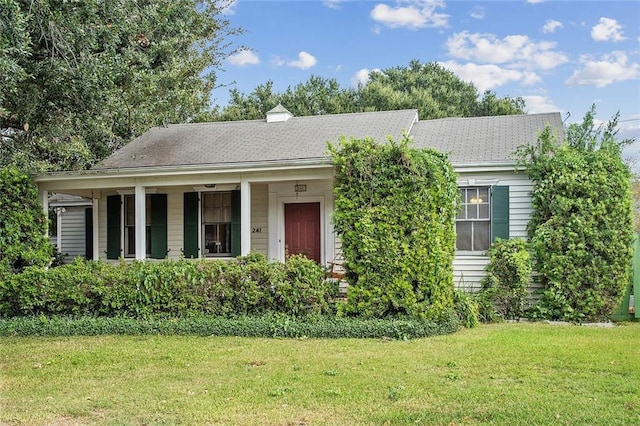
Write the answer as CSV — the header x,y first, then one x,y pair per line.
x,y
158,226
88,233
113,227
190,230
499,212
235,223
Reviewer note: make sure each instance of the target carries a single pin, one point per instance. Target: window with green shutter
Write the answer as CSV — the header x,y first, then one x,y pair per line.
x,y
484,216
190,225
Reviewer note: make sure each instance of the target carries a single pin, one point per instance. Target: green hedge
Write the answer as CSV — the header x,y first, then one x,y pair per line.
x,y
263,326
395,211
249,285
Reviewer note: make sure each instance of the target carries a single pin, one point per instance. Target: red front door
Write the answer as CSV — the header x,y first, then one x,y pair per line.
x,y
302,229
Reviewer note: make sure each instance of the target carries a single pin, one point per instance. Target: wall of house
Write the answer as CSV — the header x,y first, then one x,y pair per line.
x,y
468,269
175,217
72,232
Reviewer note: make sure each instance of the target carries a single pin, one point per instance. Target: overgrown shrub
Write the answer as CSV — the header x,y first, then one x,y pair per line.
x,y
249,285
262,326
395,213
23,225
581,229
507,280
466,309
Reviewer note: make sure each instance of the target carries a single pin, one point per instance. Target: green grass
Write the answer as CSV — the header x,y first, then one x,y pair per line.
x,y
505,374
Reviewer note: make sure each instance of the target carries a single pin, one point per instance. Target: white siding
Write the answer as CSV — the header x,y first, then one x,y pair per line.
x,y
73,232
260,218
468,268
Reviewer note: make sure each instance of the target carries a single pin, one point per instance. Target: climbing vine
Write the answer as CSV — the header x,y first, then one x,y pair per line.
x,y
395,211
581,229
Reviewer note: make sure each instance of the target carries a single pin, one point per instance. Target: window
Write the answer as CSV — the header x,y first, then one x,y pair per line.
x,y
216,223
121,234
130,225
473,224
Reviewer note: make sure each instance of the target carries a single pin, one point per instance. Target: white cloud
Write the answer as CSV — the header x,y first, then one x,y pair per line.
x,y
537,104
551,26
411,14
477,12
228,8
535,1
244,57
516,50
612,68
488,77
362,76
332,4
607,29
305,61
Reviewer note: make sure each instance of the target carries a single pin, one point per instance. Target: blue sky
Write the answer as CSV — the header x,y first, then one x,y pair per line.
x,y
557,55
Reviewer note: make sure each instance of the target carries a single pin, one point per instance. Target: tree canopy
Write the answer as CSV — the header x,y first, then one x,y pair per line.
x,y
435,91
80,79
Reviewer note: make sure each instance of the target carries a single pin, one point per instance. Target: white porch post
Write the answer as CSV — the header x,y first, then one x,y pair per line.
x,y
59,211
96,228
44,201
141,225
245,217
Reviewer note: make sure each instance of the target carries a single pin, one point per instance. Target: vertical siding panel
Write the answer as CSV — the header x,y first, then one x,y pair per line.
x,y
260,218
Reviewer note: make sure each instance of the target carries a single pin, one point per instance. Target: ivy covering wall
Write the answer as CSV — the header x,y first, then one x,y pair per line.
x,y
581,229
395,211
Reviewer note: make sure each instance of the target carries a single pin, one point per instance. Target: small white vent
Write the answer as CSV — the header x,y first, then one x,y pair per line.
x,y
278,114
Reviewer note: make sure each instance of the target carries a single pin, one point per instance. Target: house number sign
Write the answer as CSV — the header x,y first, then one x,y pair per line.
x,y
256,230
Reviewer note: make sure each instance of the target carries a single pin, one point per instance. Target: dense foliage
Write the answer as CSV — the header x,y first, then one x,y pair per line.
x,y
245,326
23,240
507,280
581,229
395,211
248,285
80,79
431,89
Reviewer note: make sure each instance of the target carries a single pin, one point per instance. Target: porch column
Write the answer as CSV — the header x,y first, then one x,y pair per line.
x,y
245,217
43,194
141,225
96,228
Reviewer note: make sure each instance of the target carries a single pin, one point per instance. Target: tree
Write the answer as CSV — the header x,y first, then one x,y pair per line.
x,y
581,229
435,91
97,73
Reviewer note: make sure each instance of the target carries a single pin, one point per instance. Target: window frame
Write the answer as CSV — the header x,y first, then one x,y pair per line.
x,y
219,224
129,230
483,215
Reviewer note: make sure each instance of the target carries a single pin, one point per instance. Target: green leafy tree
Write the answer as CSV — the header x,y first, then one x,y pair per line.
x,y
581,229
435,91
94,74
22,225
395,211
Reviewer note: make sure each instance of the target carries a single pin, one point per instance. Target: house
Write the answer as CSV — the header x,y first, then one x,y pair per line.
x,y
72,232
218,190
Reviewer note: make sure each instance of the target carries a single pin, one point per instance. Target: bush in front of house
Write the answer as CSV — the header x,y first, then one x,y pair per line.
x,y
395,211
23,225
249,285
505,285
245,326
581,230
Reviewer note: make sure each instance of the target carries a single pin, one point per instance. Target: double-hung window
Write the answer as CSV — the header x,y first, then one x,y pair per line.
x,y
473,224
483,216
216,223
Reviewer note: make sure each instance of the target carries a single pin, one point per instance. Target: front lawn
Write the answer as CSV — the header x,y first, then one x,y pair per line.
x,y
504,374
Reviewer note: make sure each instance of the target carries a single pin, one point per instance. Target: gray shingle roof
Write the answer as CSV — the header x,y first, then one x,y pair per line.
x,y
478,140
482,140
252,141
